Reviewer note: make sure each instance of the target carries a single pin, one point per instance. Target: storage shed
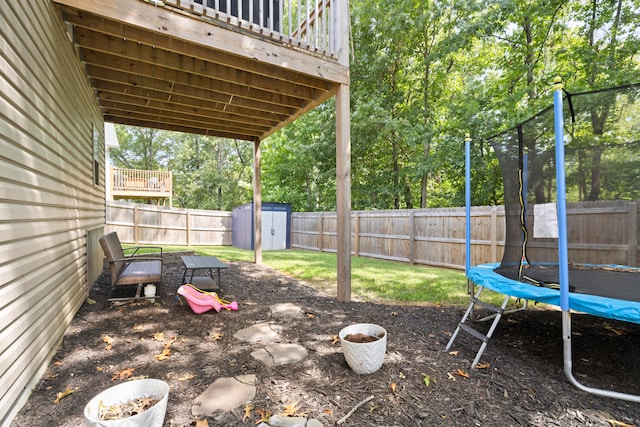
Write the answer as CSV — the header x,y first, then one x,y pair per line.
x,y
276,226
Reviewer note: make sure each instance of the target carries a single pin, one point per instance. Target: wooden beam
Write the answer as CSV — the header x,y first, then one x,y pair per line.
x,y
300,86
184,34
157,106
218,103
162,118
177,128
197,87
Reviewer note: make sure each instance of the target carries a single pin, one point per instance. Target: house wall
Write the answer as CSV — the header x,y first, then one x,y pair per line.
x,y
50,209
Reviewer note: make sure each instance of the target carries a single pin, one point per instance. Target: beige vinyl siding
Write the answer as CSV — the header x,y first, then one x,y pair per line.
x,y
48,202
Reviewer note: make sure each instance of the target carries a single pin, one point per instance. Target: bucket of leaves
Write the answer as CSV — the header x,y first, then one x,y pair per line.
x,y
139,403
364,346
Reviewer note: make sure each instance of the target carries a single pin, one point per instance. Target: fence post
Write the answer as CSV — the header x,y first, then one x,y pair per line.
x,y
412,237
136,229
356,234
493,229
188,227
633,238
321,232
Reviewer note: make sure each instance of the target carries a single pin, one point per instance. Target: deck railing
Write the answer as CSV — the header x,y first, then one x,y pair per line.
x,y
306,24
141,184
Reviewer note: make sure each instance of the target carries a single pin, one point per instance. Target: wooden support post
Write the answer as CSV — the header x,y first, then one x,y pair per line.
x,y
343,190
257,204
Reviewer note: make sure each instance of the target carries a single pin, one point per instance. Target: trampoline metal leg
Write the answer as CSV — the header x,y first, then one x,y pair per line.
x,y
568,366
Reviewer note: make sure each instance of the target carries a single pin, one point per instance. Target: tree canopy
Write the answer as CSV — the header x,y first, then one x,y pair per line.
x,y
424,74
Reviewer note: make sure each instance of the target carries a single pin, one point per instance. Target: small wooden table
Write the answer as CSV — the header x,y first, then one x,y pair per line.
x,y
198,262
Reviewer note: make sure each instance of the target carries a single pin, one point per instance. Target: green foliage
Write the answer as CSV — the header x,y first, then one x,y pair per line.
x,y
422,77
212,173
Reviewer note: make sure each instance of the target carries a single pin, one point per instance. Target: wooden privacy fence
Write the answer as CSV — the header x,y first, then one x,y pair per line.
x,y
418,236
599,232
148,224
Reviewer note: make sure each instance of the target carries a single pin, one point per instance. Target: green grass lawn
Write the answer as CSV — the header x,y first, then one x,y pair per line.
x,y
371,279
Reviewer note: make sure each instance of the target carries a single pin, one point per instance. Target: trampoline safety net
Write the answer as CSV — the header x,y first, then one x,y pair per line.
x,y
602,167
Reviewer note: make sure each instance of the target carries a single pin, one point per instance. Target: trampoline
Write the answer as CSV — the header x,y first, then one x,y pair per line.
x,y
584,259
618,298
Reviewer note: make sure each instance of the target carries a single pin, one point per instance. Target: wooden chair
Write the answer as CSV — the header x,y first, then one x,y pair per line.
x,y
130,270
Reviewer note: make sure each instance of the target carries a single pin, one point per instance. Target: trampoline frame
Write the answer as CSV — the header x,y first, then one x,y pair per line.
x,y
484,275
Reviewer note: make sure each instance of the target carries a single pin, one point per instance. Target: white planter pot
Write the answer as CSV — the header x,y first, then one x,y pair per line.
x,y
150,291
125,392
364,358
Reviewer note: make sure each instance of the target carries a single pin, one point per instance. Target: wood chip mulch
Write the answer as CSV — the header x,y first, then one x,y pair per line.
x,y
522,382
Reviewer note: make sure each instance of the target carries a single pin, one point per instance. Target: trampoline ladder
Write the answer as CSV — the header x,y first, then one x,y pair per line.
x,y
463,326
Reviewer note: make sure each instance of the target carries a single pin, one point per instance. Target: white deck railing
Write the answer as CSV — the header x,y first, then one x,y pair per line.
x,y
305,24
135,180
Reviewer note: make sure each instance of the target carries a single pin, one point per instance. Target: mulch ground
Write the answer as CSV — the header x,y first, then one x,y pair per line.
x,y
420,384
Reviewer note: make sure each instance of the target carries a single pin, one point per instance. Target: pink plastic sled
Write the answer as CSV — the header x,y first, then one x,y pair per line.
x,y
201,301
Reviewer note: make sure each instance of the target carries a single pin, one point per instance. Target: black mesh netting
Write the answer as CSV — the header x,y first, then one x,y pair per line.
x,y
602,167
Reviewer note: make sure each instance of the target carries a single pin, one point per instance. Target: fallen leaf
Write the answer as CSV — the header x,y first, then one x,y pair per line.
x,y
61,395
166,352
454,353
186,377
483,365
426,379
311,316
393,387
335,340
461,373
58,363
328,411
123,374
247,412
264,416
291,410
91,301
451,377
217,336
402,375
170,342
202,423
109,341
158,336
618,332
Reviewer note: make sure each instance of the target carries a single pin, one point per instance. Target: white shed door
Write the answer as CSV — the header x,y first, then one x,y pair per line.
x,y
274,230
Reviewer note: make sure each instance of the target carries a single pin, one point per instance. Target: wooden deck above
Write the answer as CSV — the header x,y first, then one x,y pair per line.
x,y
131,184
186,66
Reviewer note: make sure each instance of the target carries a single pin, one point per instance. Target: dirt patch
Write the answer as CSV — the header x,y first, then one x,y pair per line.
x,y
420,384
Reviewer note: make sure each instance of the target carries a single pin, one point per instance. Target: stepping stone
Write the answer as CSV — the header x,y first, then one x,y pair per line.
x,y
224,394
280,354
285,310
262,332
280,421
